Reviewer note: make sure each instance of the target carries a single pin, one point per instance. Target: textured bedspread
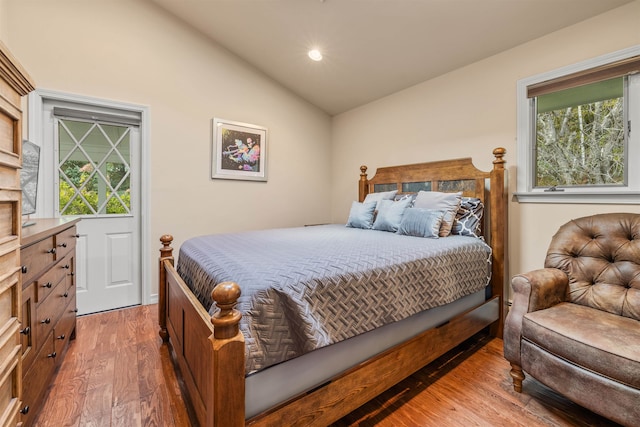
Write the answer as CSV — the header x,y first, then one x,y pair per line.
x,y
308,287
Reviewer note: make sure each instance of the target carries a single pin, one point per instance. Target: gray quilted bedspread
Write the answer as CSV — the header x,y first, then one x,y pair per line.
x,y
308,287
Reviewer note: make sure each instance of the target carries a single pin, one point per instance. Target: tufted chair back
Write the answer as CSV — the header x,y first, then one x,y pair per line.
x,y
601,256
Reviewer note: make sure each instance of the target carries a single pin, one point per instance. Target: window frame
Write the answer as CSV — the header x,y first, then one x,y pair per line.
x,y
526,121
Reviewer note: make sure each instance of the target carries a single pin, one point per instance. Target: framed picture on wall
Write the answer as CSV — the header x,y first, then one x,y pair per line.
x,y
239,151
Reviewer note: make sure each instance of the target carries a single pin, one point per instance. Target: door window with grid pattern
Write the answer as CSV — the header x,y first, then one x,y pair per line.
x,y
93,168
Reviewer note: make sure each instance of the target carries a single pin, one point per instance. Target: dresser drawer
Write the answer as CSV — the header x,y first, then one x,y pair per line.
x,y
50,310
49,280
68,267
9,390
65,242
70,277
36,381
36,258
63,330
27,330
9,262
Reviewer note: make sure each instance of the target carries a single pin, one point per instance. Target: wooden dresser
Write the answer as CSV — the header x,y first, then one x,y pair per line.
x,y
48,255
14,84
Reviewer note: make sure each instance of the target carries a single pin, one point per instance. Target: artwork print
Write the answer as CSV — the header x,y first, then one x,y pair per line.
x,y
239,151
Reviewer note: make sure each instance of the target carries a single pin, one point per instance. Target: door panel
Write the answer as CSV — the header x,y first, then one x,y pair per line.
x,y
97,178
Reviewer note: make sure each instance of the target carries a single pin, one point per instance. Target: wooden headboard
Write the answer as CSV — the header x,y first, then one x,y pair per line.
x,y
452,176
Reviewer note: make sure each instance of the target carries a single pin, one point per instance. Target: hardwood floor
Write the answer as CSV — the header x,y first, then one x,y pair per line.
x,y
117,373
470,386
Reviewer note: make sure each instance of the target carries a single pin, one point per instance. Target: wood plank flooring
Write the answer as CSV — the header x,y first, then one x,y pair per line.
x,y
117,373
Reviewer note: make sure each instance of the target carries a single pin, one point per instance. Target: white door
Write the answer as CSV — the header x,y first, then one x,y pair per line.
x,y
96,177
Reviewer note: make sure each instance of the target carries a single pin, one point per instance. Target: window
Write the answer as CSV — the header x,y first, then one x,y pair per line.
x,y
574,132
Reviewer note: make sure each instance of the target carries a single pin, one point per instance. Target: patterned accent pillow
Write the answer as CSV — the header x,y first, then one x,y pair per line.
x,y
468,217
448,202
390,214
421,222
403,196
361,215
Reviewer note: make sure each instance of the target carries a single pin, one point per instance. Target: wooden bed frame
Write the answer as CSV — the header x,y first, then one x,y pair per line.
x,y
210,352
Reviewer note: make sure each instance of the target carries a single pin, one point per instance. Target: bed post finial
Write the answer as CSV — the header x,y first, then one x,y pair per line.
x,y
226,321
499,162
166,251
363,188
166,254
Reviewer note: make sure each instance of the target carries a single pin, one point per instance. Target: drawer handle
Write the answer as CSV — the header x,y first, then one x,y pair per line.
x,y
61,337
24,269
25,331
47,285
25,410
72,274
46,321
64,245
51,251
75,310
66,266
77,236
52,355
66,294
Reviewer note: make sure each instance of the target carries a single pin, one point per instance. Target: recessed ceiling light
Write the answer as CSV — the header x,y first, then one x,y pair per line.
x,y
315,55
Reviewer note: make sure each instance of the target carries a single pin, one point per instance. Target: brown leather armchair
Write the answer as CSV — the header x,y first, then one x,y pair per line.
x,y
575,324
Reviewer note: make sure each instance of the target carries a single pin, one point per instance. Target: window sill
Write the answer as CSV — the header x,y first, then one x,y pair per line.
x,y
615,198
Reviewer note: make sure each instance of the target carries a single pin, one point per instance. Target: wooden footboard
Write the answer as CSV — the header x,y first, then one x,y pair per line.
x,y
210,352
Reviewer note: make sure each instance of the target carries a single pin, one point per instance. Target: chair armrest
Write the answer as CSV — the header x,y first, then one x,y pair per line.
x,y
532,291
543,288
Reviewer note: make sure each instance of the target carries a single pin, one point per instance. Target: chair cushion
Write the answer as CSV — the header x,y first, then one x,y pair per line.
x,y
596,340
602,395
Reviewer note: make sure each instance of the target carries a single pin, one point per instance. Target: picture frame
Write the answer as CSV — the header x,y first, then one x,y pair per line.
x,y
239,151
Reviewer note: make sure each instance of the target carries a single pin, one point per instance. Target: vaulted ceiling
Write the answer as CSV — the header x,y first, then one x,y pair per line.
x,y
372,48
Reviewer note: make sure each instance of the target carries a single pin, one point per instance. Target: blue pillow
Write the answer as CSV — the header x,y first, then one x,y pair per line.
x,y
390,214
361,214
384,195
421,222
449,202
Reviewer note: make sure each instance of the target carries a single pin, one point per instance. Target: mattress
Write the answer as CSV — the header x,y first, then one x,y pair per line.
x,y
306,288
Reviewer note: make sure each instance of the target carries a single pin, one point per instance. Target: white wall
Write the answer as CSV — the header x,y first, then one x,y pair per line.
x,y
132,51
4,32
467,113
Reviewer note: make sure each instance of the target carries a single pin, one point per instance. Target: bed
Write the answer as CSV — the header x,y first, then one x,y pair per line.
x,y
231,376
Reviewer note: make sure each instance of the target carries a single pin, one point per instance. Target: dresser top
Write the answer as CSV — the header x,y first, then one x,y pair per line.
x,y
45,227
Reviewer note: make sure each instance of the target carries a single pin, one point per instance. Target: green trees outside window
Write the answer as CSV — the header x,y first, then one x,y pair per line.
x,y
580,136
80,175
93,171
